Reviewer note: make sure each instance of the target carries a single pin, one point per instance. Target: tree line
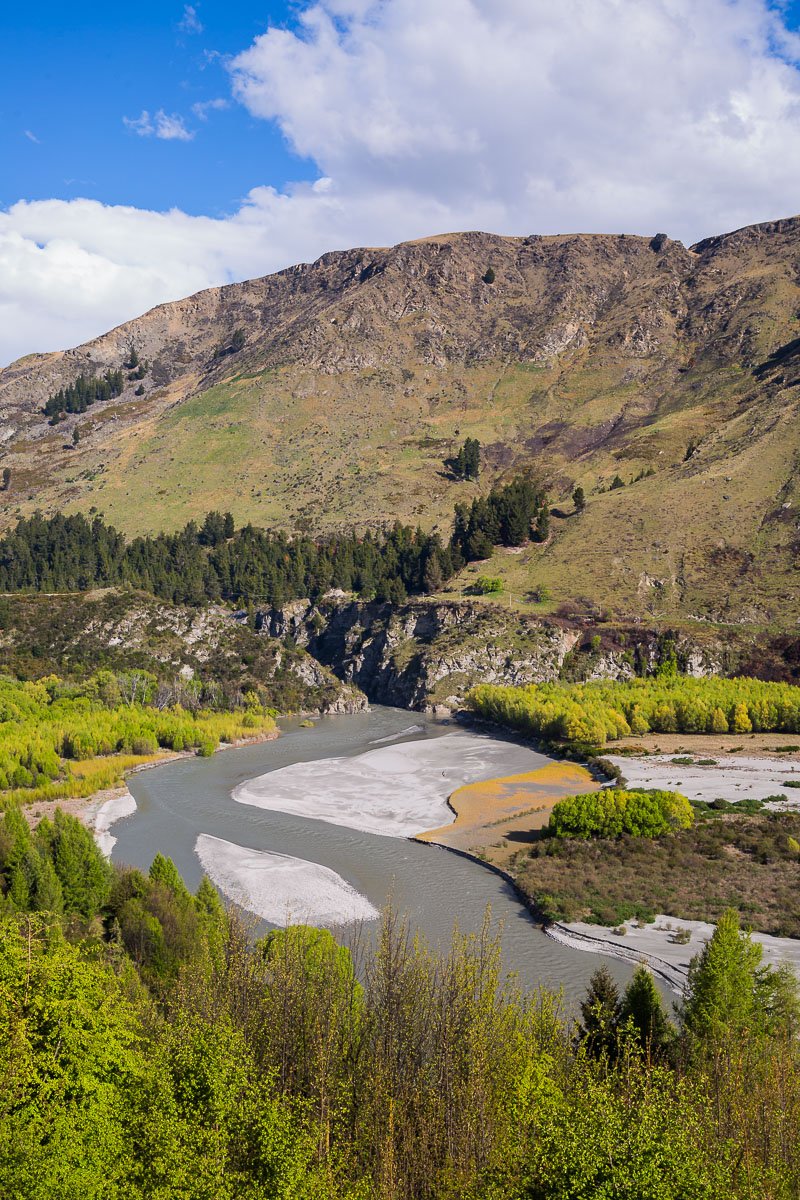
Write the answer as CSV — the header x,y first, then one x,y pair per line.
x,y
215,561
589,714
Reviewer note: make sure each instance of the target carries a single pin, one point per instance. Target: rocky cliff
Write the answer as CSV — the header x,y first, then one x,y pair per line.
x,y
426,655
209,647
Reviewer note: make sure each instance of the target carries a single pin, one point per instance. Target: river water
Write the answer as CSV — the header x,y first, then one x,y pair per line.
x,y
432,886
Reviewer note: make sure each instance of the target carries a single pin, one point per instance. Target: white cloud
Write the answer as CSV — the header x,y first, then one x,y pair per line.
x,y
31,137
190,22
203,107
620,114
517,116
169,128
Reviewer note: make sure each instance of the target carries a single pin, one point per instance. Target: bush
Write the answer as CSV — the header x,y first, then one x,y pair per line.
x,y
143,745
487,585
613,811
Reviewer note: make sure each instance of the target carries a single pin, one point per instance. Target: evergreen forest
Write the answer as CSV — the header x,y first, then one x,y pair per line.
x,y
215,561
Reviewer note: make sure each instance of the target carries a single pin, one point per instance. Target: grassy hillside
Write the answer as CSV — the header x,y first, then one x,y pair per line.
x,y
587,358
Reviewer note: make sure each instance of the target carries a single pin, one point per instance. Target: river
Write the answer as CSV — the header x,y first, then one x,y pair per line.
x,y
433,887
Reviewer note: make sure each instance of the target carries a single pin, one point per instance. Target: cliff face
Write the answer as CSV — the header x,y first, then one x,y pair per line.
x,y
584,359
126,630
425,655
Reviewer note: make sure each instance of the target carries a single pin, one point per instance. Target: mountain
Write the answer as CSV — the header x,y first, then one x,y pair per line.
x,y
582,358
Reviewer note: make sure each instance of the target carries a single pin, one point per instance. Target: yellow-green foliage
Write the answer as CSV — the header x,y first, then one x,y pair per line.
x,y
59,740
593,713
614,811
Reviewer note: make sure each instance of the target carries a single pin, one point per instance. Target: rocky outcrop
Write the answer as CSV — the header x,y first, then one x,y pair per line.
x,y
427,655
192,651
422,655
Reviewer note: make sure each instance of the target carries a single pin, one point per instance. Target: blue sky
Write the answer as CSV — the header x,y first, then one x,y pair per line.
x,y
71,73
290,129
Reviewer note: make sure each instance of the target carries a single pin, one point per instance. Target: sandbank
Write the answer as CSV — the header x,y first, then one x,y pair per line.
x,y
511,808
395,790
280,888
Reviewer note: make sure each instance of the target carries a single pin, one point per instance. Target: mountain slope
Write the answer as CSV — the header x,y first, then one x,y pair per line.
x,y
580,357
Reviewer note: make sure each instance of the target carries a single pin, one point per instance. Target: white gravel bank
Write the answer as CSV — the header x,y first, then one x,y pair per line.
x,y
395,790
114,809
654,945
281,889
733,777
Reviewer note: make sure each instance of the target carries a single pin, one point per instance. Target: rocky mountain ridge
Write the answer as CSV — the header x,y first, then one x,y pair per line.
x,y
586,359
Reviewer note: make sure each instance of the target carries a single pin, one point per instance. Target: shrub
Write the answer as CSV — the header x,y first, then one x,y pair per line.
x,y
613,811
143,745
486,585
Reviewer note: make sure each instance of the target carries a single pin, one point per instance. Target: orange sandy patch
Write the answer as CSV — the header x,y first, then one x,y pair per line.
x,y
510,807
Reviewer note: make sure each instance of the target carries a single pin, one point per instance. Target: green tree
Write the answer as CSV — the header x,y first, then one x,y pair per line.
x,y
164,871
542,530
722,985
600,1014
579,499
641,1013
70,1071
83,873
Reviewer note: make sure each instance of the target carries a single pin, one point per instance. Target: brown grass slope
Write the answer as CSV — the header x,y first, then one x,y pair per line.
x,y
588,356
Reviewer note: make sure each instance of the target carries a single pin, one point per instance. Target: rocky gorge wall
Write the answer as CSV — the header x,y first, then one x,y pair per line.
x,y
427,655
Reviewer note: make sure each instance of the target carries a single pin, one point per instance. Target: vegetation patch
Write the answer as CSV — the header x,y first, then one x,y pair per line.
x,y
109,722
731,861
611,812
589,714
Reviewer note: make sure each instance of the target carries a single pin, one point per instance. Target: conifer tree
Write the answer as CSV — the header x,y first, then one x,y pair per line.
x,y
600,1014
721,992
164,871
642,1013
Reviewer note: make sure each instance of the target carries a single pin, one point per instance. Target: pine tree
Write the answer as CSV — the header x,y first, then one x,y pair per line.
x,y
642,1013
579,499
542,531
163,871
83,873
432,578
721,992
600,1013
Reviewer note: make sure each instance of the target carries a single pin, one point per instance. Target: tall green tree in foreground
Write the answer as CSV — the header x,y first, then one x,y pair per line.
x,y
600,1014
641,1014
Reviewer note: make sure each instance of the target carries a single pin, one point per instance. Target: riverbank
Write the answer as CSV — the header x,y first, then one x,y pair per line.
x,y
430,887
88,808
666,945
